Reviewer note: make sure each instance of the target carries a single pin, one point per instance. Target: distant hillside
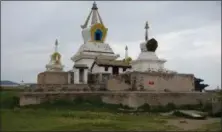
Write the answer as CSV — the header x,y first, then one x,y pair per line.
x,y
8,83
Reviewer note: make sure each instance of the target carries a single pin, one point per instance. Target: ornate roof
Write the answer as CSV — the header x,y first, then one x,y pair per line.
x,y
80,66
119,63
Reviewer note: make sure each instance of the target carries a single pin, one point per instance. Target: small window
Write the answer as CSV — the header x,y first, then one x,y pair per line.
x,y
124,69
106,68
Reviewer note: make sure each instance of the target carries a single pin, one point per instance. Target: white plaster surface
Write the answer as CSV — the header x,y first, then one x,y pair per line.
x,y
98,69
86,35
96,47
87,62
148,61
89,51
147,56
143,47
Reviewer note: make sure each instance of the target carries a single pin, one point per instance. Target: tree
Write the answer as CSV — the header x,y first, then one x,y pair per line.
x,y
152,45
128,59
198,86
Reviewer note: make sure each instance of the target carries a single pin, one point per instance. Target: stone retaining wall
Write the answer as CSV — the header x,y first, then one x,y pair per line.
x,y
52,78
162,81
132,99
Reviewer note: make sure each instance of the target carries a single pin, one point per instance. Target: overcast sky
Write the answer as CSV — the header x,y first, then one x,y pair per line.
x,y
188,34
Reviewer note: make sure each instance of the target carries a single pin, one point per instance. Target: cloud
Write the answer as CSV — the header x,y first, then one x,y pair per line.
x,y
188,34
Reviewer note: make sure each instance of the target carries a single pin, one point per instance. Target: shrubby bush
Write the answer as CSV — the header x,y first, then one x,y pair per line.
x,y
145,107
125,107
9,99
171,106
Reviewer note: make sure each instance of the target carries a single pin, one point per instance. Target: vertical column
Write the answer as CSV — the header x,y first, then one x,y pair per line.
x,y
100,77
110,69
76,76
85,76
120,70
69,77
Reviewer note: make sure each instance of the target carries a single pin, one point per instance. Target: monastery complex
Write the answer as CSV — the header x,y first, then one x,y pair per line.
x,y
96,70
96,57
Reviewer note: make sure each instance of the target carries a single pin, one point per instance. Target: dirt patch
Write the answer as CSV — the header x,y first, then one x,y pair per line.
x,y
189,124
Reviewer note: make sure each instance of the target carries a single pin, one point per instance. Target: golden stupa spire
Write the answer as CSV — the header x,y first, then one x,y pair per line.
x,y
126,52
56,45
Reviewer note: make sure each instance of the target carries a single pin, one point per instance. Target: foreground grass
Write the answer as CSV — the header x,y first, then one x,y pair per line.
x,y
29,119
216,126
80,115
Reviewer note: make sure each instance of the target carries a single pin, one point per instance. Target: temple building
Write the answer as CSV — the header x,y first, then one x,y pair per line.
x,y
95,63
95,55
97,71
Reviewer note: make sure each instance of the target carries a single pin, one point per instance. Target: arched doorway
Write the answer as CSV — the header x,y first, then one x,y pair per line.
x,y
98,35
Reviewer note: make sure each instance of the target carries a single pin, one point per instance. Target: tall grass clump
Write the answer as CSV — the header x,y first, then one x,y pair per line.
x,y
9,99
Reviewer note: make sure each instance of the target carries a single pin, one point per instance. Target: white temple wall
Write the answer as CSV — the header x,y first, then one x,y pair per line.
x,y
135,67
144,65
101,69
154,65
120,70
98,48
98,69
86,35
110,70
161,66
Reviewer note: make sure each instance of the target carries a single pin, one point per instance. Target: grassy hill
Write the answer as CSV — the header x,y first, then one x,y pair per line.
x,y
6,82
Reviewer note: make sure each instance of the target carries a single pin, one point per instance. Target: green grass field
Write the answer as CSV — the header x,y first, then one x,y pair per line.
x,y
82,117
29,119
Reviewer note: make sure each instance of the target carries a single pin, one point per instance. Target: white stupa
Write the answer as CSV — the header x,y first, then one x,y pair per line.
x,y
94,36
147,59
55,61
